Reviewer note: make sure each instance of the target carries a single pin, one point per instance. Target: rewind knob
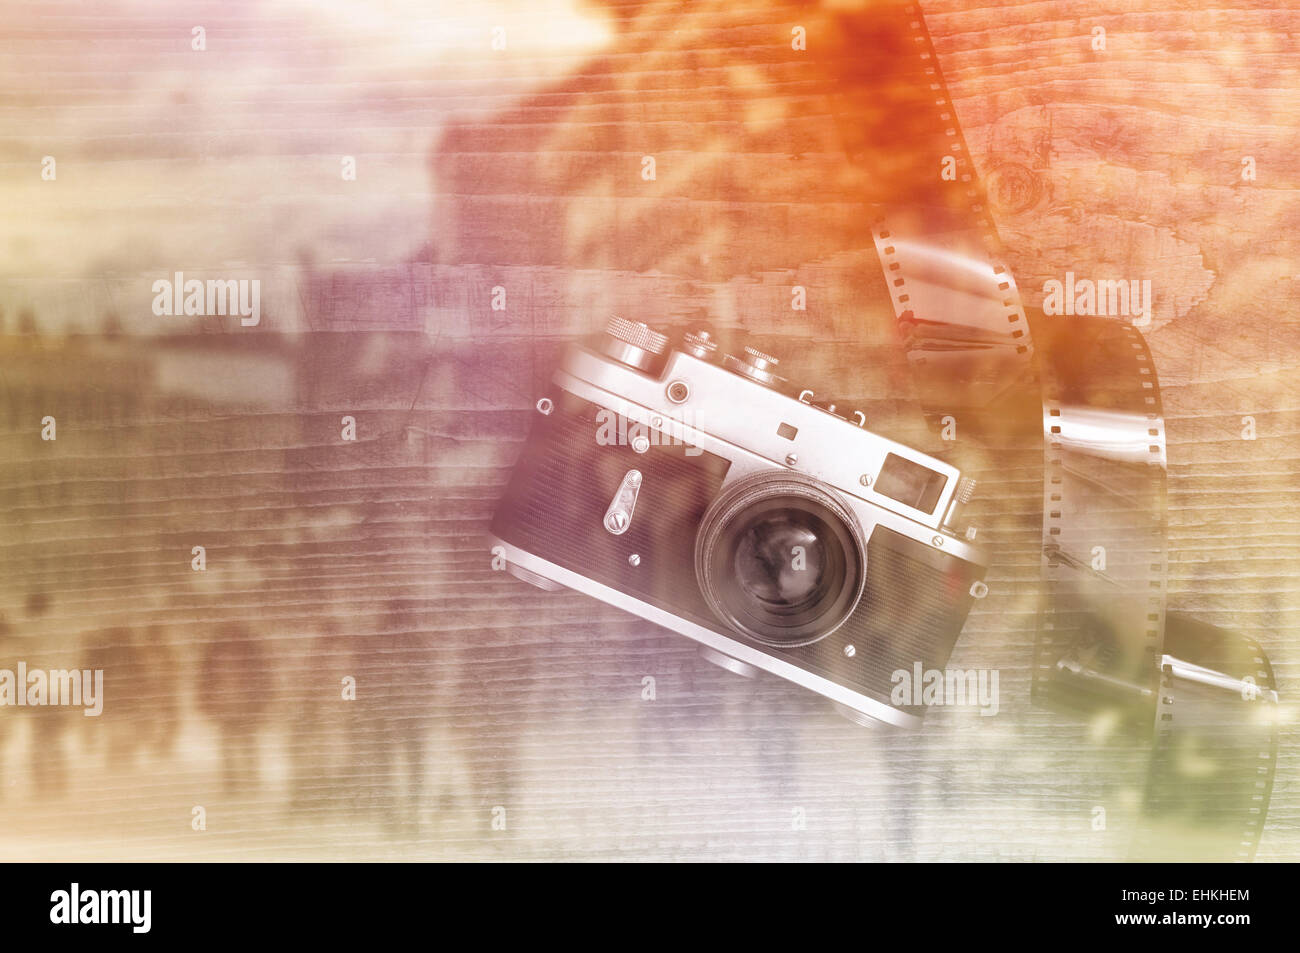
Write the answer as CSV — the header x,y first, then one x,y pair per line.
x,y
633,343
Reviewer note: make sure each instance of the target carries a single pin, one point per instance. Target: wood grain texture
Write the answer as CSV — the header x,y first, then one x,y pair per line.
x,y
521,169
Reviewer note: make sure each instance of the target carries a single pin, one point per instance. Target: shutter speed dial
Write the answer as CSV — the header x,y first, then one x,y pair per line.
x,y
700,343
755,365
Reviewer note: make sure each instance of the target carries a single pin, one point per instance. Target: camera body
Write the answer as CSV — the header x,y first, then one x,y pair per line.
x,y
696,494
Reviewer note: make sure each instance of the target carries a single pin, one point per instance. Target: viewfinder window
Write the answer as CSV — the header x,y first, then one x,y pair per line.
x,y
910,483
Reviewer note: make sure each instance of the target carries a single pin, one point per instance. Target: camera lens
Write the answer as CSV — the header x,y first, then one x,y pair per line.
x,y
780,558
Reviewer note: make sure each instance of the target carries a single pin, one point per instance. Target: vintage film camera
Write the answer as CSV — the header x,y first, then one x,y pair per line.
x,y
686,487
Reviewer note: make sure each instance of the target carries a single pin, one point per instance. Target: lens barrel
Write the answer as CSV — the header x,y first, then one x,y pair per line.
x,y
781,558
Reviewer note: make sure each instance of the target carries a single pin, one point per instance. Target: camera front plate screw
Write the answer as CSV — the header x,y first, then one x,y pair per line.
x,y
938,541
616,522
850,651
865,479
545,406
634,560
640,443
791,459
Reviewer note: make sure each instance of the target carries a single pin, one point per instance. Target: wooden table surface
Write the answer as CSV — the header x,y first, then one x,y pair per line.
x,y
492,720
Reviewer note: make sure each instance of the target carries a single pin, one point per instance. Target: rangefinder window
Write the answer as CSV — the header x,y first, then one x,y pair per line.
x,y
910,483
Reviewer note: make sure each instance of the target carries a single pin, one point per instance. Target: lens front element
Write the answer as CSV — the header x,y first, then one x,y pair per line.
x,y
780,558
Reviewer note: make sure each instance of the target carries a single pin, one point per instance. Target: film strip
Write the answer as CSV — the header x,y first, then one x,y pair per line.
x,y
1104,558
962,324
1202,697
1215,751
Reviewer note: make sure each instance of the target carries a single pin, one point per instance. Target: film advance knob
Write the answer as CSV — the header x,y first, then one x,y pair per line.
x,y
633,343
757,366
